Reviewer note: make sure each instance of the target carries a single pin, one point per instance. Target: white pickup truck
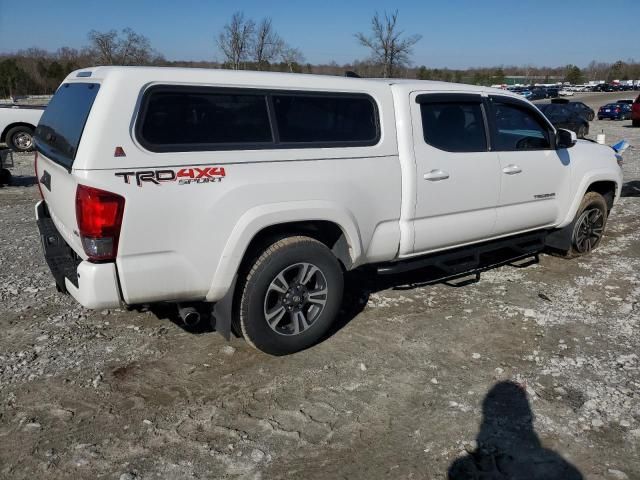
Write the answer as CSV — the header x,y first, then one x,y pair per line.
x,y
17,123
254,192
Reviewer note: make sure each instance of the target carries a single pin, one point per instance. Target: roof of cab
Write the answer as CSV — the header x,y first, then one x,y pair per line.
x,y
270,79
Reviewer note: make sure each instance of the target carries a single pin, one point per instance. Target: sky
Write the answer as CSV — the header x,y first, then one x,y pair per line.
x,y
455,33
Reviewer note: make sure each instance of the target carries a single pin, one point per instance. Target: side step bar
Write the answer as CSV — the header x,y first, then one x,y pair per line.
x,y
473,258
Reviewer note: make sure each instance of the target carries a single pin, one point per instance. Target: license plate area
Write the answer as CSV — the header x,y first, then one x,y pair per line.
x,y
61,259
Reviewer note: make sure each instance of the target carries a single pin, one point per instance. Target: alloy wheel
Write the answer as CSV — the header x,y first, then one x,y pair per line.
x,y
295,299
588,230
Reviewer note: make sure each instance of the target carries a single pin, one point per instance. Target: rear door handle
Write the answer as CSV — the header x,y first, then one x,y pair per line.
x,y
512,169
436,175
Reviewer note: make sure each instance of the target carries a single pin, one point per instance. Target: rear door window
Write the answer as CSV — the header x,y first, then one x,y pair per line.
x,y
60,128
455,125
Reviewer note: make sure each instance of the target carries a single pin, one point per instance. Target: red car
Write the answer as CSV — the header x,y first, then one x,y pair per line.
x,y
635,112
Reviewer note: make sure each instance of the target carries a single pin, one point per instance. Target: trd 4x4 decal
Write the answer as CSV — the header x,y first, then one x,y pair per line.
x,y
184,176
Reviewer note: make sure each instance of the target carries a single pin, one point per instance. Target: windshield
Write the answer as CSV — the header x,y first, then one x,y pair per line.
x,y
58,133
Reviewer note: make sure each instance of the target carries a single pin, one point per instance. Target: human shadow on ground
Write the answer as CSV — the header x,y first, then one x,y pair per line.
x,y
507,445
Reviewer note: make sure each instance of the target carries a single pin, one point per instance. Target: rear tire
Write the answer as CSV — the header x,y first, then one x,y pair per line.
x,y
20,139
589,225
291,296
582,131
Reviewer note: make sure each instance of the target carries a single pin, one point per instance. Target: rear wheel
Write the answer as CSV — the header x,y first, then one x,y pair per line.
x,y
20,139
589,225
291,296
582,131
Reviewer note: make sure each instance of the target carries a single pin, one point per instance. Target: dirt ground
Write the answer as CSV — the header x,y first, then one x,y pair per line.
x,y
532,370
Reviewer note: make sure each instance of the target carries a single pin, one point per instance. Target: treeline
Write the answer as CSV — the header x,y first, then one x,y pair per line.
x,y
256,45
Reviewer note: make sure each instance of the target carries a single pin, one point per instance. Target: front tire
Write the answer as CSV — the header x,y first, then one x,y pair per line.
x,y
20,139
291,296
582,131
589,225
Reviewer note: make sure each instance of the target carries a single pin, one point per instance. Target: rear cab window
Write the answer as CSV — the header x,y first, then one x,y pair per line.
x,y
60,129
183,118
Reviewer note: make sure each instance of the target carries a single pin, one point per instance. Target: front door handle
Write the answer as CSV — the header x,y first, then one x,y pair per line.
x,y
436,175
512,169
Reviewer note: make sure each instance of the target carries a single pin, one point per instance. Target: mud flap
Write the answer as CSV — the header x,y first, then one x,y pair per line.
x,y
561,238
222,314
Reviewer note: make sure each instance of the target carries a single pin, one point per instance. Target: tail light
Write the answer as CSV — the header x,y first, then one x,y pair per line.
x,y
99,215
35,167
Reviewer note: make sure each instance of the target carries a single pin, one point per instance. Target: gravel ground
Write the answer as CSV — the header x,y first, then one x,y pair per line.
x,y
531,370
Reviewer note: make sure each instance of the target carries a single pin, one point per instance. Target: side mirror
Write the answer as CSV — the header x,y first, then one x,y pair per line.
x,y
566,138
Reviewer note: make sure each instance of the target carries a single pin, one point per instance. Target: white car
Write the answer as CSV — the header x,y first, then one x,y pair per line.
x,y
17,124
251,193
565,92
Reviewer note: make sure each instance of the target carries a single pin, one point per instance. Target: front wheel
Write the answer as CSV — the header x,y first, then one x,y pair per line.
x,y
589,225
291,296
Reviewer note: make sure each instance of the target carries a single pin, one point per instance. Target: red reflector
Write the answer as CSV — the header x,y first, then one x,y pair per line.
x,y
119,152
99,215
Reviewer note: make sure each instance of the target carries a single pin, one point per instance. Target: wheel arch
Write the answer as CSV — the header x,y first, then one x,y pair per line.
x,y
328,223
606,188
560,238
3,136
603,181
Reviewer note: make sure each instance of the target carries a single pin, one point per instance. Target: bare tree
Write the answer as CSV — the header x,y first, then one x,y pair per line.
x,y
135,49
109,48
105,46
387,46
267,45
291,57
236,40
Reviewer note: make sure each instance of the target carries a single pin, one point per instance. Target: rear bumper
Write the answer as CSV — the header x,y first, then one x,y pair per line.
x,y
93,285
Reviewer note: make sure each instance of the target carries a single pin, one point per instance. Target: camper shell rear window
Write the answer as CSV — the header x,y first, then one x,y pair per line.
x,y
185,118
60,129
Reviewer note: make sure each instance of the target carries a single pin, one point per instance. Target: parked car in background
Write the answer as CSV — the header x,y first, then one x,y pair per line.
x,y
586,111
552,92
562,116
565,92
538,93
17,124
635,113
615,111
628,101
525,93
